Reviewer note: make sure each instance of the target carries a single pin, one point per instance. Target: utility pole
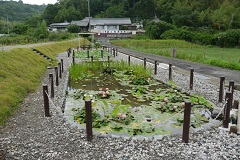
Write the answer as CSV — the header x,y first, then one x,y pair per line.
x,y
7,24
89,29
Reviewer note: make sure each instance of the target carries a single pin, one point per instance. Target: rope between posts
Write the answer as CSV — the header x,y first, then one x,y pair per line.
x,y
50,100
224,106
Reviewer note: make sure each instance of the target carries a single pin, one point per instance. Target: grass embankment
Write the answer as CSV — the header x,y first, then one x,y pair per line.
x,y
222,57
21,71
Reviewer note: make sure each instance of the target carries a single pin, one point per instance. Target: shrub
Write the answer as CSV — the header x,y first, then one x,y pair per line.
x,y
230,38
180,34
155,30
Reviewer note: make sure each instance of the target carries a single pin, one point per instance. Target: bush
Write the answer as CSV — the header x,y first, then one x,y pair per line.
x,y
230,38
154,30
180,34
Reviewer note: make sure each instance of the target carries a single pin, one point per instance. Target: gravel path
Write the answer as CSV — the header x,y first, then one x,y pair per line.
x,y
29,135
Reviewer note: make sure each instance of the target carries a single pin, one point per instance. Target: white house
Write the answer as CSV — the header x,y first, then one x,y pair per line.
x,y
58,26
102,27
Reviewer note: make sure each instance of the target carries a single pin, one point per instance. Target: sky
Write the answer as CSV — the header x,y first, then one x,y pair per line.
x,y
39,2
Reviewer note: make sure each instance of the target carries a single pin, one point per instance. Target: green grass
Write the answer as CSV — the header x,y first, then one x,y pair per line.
x,y
95,53
21,71
81,70
222,57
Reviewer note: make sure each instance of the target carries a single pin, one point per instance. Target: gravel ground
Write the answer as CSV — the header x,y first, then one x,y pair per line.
x,y
30,135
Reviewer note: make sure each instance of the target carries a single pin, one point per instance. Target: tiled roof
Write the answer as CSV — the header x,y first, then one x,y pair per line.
x,y
108,21
80,23
59,24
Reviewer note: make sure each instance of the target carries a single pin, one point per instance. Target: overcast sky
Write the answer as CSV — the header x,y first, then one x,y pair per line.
x,y
39,2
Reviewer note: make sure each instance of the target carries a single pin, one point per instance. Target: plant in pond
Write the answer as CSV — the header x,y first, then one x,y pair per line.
x,y
104,94
108,70
129,72
140,81
135,69
97,120
122,114
169,107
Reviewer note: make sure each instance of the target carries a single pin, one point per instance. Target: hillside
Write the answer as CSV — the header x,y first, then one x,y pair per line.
x,y
18,11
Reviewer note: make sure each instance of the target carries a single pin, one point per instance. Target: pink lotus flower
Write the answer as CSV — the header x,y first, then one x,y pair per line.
x,y
175,107
124,116
165,99
107,89
100,89
107,92
119,114
100,92
183,104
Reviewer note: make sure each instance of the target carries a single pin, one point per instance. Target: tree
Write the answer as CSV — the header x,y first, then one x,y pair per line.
x,y
73,28
154,30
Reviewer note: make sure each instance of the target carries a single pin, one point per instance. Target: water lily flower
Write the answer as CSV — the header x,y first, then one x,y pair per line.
x,y
100,89
165,99
183,104
175,107
124,116
100,92
107,92
119,114
107,89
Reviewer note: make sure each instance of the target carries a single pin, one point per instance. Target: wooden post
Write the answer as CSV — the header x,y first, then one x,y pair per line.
x,y
88,109
91,58
145,63
73,53
113,52
46,101
235,104
68,52
170,72
52,84
186,122
56,75
108,59
116,52
101,53
229,98
238,121
60,70
155,67
191,79
221,89
88,54
73,60
129,60
62,64
231,86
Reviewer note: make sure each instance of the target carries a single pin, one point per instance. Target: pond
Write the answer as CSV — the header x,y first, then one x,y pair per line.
x,y
127,101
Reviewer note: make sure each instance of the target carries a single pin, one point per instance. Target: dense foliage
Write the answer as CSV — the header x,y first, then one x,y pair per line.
x,y
18,11
199,21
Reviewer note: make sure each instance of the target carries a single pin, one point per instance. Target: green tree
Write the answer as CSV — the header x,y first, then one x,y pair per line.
x,y
154,30
73,28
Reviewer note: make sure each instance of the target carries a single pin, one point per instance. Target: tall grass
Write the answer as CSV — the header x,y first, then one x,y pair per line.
x,y
81,70
21,71
222,57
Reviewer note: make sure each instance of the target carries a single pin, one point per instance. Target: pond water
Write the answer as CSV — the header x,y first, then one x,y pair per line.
x,y
146,110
